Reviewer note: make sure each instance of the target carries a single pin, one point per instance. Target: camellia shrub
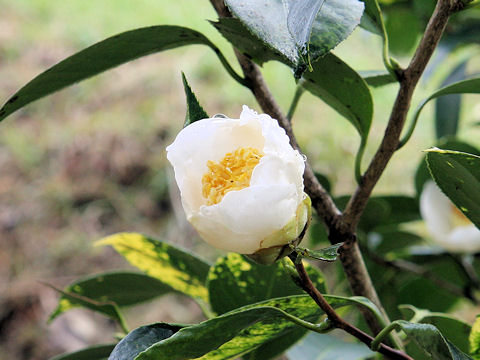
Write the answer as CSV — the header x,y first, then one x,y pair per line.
x,y
247,189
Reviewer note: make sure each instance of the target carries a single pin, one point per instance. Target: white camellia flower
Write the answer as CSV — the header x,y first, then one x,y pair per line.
x,y
446,224
241,183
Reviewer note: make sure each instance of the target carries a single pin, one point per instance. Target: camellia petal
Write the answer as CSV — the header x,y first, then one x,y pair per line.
x,y
233,205
447,226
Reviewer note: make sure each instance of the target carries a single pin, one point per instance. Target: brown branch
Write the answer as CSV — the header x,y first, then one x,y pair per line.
x,y
351,258
337,321
408,81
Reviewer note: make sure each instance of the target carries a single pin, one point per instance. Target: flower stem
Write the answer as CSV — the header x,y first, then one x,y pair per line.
x,y
298,94
336,320
375,345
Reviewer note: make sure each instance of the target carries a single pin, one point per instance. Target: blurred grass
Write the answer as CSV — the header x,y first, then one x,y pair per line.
x,y
90,160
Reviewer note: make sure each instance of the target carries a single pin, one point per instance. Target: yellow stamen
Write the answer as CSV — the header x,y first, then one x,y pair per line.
x,y
233,172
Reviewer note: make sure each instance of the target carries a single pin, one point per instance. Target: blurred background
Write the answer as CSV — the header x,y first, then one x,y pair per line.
x,y
90,161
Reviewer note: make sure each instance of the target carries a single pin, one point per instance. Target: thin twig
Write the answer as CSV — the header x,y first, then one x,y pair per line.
x,y
337,321
352,261
408,81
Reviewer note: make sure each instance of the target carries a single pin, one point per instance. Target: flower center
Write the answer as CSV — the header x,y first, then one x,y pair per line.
x,y
233,172
458,218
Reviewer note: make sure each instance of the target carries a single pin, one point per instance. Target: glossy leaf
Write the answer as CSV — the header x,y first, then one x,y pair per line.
x,y
297,34
141,338
102,56
194,109
403,29
474,339
469,86
423,174
234,282
98,352
240,331
235,32
455,330
429,338
377,78
343,89
174,267
120,288
107,308
447,107
372,19
458,176
326,254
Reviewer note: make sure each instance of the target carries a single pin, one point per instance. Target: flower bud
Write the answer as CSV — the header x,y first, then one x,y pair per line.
x,y
241,184
447,225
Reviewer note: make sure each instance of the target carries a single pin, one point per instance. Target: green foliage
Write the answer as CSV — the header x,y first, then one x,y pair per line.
x,y
458,175
429,338
235,333
326,254
377,78
234,282
174,267
104,307
474,339
120,288
447,107
423,174
142,338
102,56
98,352
299,37
343,89
455,330
194,109
388,210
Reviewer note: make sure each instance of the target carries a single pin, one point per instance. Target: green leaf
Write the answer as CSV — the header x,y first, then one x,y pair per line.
x,y
107,308
372,19
236,33
97,352
474,339
455,330
234,282
430,339
403,29
240,331
423,174
469,86
343,89
297,30
326,254
317,26
195,111
385,211
141,338
447,107
120,288
235,333
102,56
174,267
458,176
377,78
